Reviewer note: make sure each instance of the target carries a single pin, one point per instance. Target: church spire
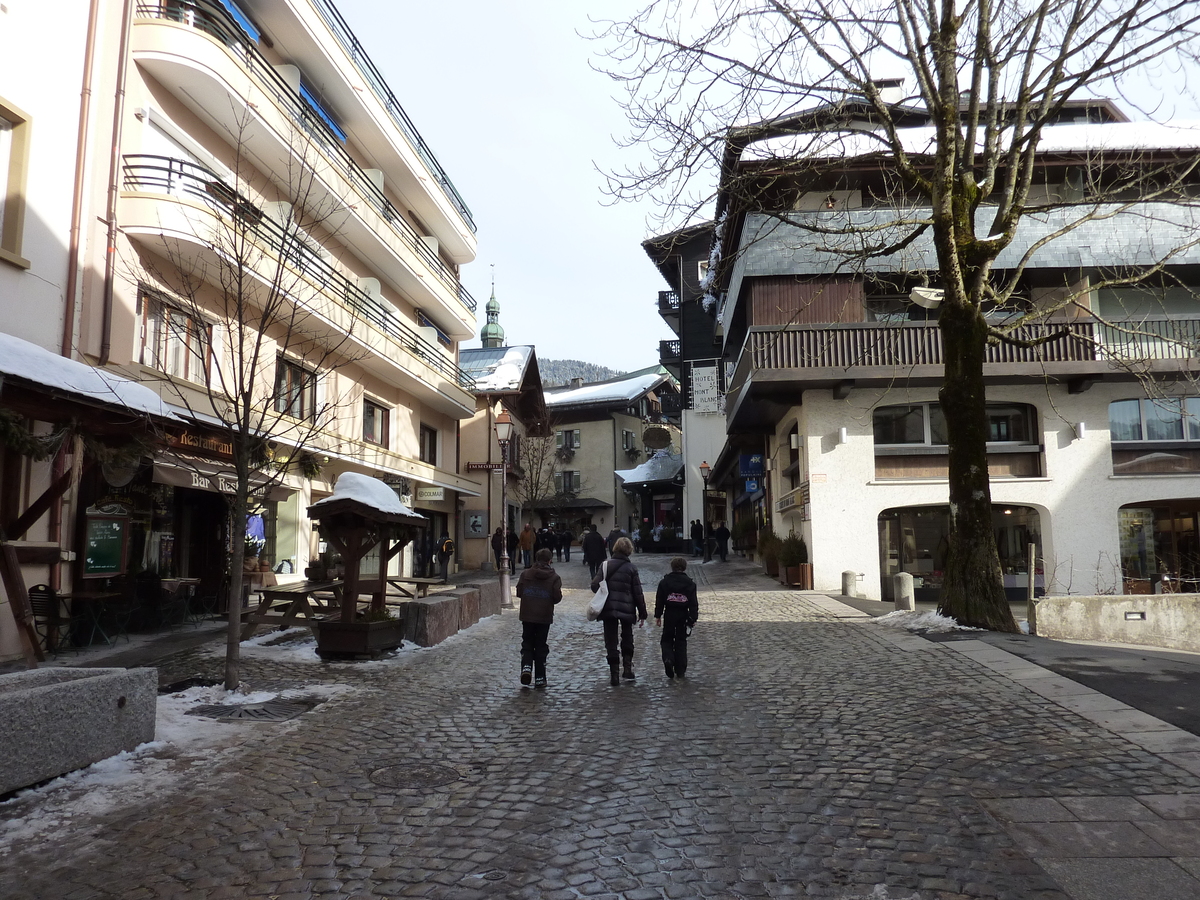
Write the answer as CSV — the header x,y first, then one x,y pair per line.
x,y
492,335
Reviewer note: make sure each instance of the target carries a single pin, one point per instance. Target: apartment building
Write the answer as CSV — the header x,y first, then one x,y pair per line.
x,y
836,369
260,234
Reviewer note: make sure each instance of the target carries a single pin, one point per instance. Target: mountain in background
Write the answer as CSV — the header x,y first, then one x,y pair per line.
x,y
559,372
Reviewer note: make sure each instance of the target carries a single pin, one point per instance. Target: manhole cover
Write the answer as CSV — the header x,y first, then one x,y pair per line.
x,y
270,711
496,875
414,775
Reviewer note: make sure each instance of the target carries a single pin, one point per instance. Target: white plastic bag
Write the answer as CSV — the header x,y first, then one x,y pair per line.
x,y
596,607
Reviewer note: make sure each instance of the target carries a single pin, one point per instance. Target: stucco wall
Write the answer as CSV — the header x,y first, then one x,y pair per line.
x,y
1152,620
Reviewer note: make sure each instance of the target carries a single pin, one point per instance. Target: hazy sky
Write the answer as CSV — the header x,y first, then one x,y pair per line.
x,y
504,95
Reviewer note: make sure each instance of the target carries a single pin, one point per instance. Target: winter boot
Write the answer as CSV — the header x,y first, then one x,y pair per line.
x,y
539,675
614,675
627,673
526,674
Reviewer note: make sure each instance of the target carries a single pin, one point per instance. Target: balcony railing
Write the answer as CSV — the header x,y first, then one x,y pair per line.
x,y
213,20
904,346
668,351
668,302
163,175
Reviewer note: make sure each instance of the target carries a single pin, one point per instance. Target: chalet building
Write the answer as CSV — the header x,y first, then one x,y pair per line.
x,y
833,368
599,428
227,156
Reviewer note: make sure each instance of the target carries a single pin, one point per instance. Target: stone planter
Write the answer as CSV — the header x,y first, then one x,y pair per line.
x,y
54,721
338,640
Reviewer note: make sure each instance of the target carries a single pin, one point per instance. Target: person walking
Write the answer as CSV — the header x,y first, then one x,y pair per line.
x,y
556,537
626,603
675,611
721,536
445,551
539,589
513,542
697,538
613,536
498,546
595,551
565,539
526,544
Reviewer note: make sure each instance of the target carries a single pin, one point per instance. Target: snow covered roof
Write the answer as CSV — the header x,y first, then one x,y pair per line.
x,y
496,370
371,494
662,466
22,359
623,390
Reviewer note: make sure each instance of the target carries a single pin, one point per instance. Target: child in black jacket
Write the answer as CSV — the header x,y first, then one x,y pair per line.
x,y
675,601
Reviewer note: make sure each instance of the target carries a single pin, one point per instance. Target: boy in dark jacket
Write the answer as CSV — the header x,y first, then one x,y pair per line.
x,y
539,588
675,601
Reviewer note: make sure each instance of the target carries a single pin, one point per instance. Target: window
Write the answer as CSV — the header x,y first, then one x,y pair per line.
x,y
923,424
295,390
174,341
14,161
566,482
567,440
629,440
375,423
429,445
1163,419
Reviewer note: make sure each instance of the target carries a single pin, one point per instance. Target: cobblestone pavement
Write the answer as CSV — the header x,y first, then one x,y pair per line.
x,y
802,756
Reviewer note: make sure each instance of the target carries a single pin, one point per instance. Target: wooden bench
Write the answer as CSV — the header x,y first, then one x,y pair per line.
x,y
298,599
420,586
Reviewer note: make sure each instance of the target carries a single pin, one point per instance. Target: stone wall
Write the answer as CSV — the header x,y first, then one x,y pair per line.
x,y
1153,620
430,620
53,721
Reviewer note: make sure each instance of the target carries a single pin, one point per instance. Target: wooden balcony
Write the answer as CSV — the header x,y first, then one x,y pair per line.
x,y
776,365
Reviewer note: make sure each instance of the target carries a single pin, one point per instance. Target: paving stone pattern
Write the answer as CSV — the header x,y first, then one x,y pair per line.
x,y
803,756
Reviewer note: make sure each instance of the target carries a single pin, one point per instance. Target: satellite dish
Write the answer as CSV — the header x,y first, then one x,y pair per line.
x,y
926,297
656,437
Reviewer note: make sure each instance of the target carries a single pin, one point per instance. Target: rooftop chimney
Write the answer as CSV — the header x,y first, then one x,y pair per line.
x,y
576,382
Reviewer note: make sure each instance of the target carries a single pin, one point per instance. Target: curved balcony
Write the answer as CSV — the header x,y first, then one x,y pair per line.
x,y
208,63
182,209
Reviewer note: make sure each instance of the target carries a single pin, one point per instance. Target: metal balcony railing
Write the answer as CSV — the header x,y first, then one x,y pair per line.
x,y
846,347
163,175
212,19
668,302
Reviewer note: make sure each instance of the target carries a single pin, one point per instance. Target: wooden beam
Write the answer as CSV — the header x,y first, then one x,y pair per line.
x,y
16,529
18,599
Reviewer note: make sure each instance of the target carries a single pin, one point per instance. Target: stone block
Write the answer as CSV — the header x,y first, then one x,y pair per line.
x,y
489,597
430,620
54,721
469,613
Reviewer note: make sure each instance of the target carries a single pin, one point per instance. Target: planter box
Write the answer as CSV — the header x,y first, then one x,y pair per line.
x,y
772,567
54,721
798,576
338,639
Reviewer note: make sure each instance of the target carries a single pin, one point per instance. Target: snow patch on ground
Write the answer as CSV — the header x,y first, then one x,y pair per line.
x,y
925,622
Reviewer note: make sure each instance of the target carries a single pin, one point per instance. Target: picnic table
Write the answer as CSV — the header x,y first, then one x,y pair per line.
x,y
420,586
299,599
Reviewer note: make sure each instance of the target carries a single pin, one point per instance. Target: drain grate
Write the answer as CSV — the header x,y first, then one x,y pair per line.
x,y
270,711
415,775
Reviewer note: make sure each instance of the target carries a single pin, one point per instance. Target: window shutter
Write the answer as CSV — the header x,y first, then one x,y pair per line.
x,y
558,482
558,440
576,436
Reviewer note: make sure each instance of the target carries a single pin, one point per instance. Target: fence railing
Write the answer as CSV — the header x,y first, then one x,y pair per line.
x,y
212,19
163,175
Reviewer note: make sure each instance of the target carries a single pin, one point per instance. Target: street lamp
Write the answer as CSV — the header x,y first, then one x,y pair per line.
x,y
705,471
504,432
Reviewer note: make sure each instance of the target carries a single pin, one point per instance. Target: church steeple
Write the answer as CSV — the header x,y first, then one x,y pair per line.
x,y
492,335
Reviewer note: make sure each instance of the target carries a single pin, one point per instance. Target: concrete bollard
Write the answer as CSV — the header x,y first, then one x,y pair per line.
x,y
902,586
849,583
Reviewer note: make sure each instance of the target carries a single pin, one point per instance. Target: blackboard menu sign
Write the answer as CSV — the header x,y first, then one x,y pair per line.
x,y
104,544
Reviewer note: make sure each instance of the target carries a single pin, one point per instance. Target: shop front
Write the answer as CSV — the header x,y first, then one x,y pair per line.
x,y
1160,546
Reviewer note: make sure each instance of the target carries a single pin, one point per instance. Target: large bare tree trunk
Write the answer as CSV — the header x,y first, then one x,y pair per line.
x,y
973,590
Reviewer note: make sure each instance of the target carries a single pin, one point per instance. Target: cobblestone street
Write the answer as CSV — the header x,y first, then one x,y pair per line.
x,y
804,755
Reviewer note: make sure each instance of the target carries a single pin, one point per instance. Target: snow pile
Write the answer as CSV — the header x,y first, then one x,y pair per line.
x,y
505,375
34,363
366,490
922,622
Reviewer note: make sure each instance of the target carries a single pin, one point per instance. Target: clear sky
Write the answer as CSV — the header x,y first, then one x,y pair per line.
x,y
503,93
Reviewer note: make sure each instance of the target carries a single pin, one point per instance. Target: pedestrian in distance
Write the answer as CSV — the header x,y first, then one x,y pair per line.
x,y
721,536
498,546
594,550
539,589
697,534
565,539
513,542
445,551
675,611
625,605
526,543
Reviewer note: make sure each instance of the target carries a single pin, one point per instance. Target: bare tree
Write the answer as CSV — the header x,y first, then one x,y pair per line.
x,y
542,486
248,317
798,87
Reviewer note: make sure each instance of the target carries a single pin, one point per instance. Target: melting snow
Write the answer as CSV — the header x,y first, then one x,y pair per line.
x,y
915,620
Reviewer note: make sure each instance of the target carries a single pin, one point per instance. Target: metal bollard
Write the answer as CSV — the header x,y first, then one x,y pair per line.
x,y
850,583
902,583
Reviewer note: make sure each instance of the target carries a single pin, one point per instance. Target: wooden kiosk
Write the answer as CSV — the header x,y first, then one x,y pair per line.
x,y
363,513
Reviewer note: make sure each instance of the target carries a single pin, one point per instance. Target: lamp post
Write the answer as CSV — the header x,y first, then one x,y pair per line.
x,y
705,471
504,432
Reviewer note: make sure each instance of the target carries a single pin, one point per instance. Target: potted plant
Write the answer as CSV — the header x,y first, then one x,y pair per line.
x,y
768,549
794,568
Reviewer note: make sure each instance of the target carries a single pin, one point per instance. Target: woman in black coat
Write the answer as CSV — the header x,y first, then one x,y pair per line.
x,y
625,604
595,551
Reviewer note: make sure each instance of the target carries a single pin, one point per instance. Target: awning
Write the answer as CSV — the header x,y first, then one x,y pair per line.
x,y
577,503
181,470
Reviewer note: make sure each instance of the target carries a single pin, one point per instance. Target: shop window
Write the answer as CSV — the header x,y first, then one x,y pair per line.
x,y
261,526
14,161
295,390
1155,436
1160,547
174,341
375,423
429,445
